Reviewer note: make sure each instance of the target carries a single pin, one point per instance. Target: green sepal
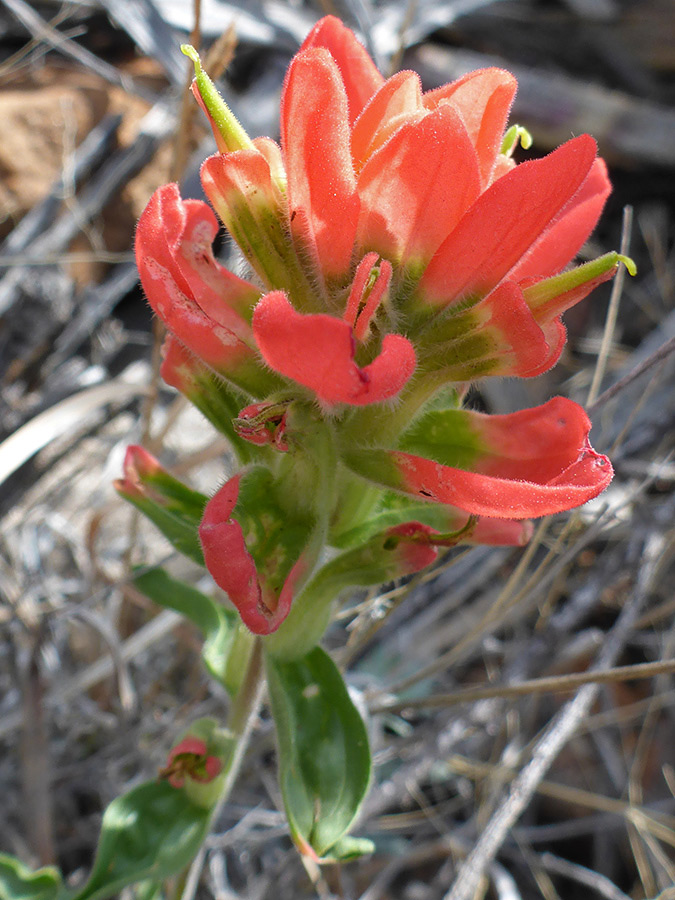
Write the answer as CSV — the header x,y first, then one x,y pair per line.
x,y
226,642
395,509
18,882
446,436
233,135
324,758
150,833
172,506
546,290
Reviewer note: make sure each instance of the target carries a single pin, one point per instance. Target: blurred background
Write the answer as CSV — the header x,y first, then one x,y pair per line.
x,y
96,682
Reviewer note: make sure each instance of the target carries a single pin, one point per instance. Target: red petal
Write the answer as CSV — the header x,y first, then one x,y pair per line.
x,y
563,240
486,496
555,335
177,364
139,465
226,299
359,73
505,222
399,99
484,100
318,352
416,188
501,532
316,145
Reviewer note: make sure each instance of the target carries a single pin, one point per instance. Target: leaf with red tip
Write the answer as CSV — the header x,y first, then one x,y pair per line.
x,y
315,138
359,73
483,98
169,504
318,352
532,463
416,187
504,223
254,548
212,396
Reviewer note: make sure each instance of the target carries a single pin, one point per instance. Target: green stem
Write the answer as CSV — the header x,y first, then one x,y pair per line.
x,y
242,715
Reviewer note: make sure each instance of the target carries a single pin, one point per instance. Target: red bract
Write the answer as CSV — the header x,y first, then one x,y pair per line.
x,y
201,302
318,351
531,463
261,588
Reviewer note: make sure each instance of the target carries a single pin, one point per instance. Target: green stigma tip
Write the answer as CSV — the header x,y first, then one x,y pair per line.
x,y
190,52
515,135
525,138
628,263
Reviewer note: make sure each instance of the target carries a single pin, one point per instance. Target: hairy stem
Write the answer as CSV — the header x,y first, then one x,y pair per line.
x,y
242,715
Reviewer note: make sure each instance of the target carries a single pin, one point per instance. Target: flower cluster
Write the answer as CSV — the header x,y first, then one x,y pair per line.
x,y
397,253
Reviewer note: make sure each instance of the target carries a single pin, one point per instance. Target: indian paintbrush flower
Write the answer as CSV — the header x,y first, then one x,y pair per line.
x,y
397,252
197,763
190,759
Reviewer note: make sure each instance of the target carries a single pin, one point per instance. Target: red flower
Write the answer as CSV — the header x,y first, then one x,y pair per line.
x,y
399,250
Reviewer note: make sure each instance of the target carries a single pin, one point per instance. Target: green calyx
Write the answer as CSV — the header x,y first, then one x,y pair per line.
x,y
224,121
538,295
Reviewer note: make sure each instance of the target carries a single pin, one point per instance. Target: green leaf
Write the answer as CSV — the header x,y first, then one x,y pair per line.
x,y
177,523
150,833
18,882
349,848
226,642
324,758
148,890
